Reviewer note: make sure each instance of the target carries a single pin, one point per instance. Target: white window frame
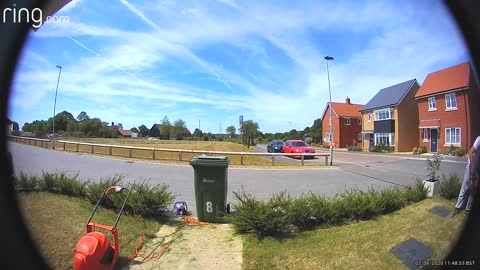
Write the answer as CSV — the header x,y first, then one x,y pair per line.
x,y
328,137
385,114
432,104
448,136
347,121
449,100
378,136
426,134
369,117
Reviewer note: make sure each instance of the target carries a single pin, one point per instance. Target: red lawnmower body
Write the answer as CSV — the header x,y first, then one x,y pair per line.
x,y
93,250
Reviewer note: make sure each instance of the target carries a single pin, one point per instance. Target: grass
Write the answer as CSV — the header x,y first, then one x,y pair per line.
x,y
57,222
360,245
167,144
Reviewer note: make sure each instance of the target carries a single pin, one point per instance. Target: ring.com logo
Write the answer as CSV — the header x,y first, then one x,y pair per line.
x,y
34,16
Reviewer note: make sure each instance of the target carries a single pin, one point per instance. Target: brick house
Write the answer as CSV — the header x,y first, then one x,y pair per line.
x,y
122,133
391,118
448,106
346,123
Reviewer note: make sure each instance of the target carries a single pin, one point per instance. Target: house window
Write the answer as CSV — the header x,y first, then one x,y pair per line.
x,y
426,134
452,136
451,101
328,137
359,137
369,117
432,104
385,138
359,121
383,114
347,121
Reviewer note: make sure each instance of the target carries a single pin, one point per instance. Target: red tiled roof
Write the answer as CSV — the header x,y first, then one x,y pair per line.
x,y
429,123
451,78
347,110
125,132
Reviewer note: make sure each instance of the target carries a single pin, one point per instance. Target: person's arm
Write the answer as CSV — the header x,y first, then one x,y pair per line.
x,y
471,152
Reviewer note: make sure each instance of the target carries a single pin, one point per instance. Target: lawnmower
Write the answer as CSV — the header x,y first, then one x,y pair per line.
x,y
93,250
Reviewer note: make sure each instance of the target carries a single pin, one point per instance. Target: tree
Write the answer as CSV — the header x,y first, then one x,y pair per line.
x,y
91,127
249,130
165,128
316,131
15,126
178,126
231,130
134,130
197,133
82,116
143,131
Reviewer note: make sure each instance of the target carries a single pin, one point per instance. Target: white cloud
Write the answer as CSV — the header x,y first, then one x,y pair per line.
x,y
397,46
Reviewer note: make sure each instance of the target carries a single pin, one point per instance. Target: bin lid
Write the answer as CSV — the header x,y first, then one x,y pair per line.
x,y
215,161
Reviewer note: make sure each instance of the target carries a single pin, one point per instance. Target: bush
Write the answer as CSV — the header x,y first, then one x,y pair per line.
x,y
419,150
205,137
382,148
416,193
460,152
145,200
284,214
450,186
148,201
27,183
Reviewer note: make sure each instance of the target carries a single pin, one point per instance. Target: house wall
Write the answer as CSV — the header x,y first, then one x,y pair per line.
x,y
448,119
366,125
406,122
349,133
326,127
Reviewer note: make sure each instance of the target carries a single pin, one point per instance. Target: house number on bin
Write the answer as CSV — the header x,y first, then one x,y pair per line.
x,y
209,207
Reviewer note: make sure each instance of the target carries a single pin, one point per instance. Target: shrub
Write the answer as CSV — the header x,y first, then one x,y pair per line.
x,y
382,148
282,213
148,201
419,150
47,182
460,152
27,183
451,150
205,137
95,189
260,217
416,193
450,186
433,166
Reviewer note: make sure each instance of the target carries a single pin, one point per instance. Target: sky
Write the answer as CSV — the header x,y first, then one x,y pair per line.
x,y
134,62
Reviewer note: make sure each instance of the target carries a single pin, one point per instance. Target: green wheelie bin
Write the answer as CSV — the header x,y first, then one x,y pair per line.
x,y
210,184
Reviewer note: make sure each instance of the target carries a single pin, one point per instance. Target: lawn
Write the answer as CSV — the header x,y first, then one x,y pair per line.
x,y
361,245
168,144
57,222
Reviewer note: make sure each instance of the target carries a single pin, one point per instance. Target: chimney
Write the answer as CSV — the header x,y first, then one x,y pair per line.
x,y
347,100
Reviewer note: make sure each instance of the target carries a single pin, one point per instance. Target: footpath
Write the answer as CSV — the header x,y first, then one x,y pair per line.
x,y
191,245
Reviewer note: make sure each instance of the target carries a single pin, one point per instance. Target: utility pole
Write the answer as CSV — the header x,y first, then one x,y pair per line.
x,y
327,58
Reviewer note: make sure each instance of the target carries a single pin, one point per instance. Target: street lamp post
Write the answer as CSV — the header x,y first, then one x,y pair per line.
x,y
55,105
328,58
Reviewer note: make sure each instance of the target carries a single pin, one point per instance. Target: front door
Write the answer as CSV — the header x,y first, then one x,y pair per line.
x,y
433,140
371,142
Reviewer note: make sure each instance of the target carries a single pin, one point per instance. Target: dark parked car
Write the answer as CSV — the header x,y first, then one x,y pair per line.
x,y
275,147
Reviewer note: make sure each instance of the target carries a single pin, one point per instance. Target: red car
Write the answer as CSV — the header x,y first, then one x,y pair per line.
x,y
297,146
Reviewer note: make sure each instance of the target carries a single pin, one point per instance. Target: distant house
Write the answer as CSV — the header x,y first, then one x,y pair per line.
x,y
391,118
124,133
155,132
448,106
346,124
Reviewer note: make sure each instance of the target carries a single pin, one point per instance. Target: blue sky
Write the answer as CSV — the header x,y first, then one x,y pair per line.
x,y
134,62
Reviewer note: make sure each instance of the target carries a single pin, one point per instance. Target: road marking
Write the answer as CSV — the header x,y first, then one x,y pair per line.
x,y
373,177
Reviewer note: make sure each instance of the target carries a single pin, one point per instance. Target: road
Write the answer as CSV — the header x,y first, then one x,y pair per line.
x,y
369,171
